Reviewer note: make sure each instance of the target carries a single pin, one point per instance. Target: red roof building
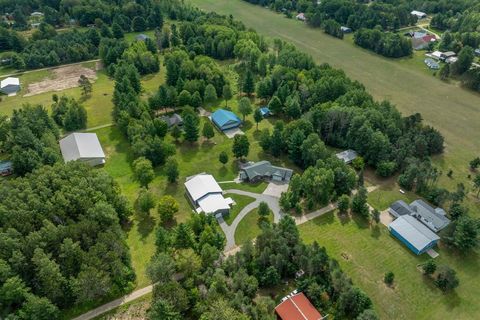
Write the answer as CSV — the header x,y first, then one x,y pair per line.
x,y
297,307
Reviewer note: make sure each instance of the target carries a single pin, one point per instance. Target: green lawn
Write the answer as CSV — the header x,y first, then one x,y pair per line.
x,y
248,228
257,187
240,203
367,252
405,82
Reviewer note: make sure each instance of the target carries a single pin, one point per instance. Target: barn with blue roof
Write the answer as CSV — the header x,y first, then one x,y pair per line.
x,y
225,120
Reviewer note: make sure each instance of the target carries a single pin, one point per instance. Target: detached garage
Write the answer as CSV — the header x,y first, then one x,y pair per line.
x,y
416,236
10,86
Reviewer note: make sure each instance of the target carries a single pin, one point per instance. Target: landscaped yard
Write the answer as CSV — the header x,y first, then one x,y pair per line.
x,y
240,202
248,228
365,253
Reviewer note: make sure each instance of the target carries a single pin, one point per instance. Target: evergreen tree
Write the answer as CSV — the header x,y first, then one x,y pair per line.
x,y
117,31
210,93
171,169
227,93
223,157
208,131
190,127
257,116
176,132
244,107
241,146
248,85
143,171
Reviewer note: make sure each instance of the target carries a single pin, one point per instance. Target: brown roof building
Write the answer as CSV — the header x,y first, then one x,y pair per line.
x,y
297,307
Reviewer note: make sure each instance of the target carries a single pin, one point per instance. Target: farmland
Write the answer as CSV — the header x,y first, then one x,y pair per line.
x,y
452,110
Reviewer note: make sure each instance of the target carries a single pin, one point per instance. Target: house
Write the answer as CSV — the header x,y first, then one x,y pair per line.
x,y
297,307
84,147
477,52
413,234
206,195
301,16
347,156
418,14
264,170
36,14
141,37
265,111
432,64
435,219
448,54
419,34
10,86
421,40
6,168
345,29
225,120
173,120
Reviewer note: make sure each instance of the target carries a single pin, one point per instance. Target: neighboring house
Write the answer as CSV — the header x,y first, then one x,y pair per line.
x,y
6,168
432,64
297,307
477,52
264,170
173,120
448,54
141,37
413,234
345,29
265,111
419,34
347,156
422,42
435,219
301,16
418,14
84,147
225,120
206,195
10,86
437,55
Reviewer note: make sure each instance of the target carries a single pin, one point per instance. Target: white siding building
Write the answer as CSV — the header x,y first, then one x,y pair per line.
x,y
84,147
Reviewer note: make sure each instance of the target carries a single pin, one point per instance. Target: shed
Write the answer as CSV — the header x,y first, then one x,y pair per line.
x,y
265,111
84,147
264,170
301,16
141,37
297,307
418,14
173,120
347,156
413,234
345,29
225,119
477,52
6,168
10,86
206,194
448,54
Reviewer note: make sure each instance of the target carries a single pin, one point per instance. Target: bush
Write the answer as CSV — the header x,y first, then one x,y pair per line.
x,y
389,277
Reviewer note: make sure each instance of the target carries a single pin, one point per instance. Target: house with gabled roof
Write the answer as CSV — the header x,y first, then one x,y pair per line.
x,y
297,307
255,171
84,147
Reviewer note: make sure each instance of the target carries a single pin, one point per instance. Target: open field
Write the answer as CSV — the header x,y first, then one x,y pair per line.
x,y
452,110
366,252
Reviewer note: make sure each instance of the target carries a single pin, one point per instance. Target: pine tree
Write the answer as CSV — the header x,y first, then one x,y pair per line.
x,y
227,94
248,83
208,131
190,127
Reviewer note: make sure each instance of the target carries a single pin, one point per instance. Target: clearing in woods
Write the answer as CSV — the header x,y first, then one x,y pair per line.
x,y
451,109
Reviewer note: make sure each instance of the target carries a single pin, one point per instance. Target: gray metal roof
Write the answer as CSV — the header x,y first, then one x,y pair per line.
x,y
81,146
435,219
173,120
10,89
413,231
6,165
265,168
347,156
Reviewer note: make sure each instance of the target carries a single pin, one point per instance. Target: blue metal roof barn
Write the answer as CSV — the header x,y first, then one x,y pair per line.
x,y
225,119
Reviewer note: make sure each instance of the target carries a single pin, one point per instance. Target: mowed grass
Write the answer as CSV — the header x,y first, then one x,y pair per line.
x,y
248,228
405,82
366,252
240,202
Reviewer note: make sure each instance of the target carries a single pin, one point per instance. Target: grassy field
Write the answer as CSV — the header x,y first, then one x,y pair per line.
x,y
240,202
452,110
367,252
248,228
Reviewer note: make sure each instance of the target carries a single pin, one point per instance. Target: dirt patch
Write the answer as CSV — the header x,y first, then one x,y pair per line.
x,y
345,256
135,311
62,78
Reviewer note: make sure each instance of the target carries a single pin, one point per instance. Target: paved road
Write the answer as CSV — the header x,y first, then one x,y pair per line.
x,y
229,230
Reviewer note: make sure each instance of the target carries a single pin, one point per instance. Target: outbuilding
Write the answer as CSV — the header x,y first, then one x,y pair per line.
x,y
418,14
297,307
206,195
10,86
141,37
173,120
6,168
413,234
264,111
301,16
347,156
345,29
225,119
84,147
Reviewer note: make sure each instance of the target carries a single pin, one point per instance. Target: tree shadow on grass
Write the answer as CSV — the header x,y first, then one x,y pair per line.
x,y
145,224
247,125
361,222
222,172
171,188
375,231
344,218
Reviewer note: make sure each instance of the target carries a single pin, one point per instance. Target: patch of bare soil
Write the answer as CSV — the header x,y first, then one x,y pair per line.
x,y
135,311
62,78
